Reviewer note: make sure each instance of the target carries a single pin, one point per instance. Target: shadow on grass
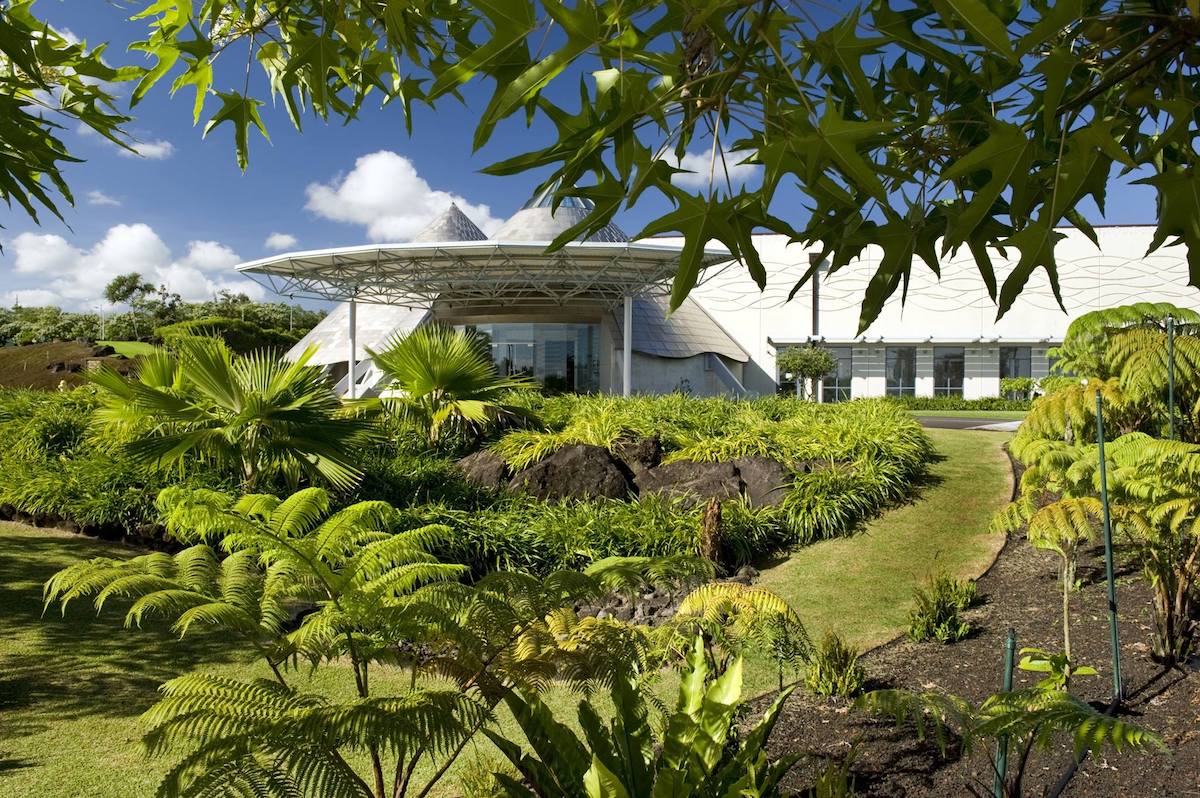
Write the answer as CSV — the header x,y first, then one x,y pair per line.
x,y
79,664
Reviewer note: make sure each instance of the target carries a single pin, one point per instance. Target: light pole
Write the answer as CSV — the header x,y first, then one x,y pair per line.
x,y
1171,377
1108,554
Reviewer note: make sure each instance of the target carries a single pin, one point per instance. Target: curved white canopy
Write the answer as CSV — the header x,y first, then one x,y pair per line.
x,y
466,274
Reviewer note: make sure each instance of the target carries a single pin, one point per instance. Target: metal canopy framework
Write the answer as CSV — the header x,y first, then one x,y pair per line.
x,y
476,274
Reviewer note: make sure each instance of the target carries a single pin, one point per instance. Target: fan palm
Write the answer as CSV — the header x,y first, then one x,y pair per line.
x,y
257,413
447,380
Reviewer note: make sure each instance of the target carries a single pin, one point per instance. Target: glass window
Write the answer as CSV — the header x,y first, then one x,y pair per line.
x,y
949,366
836,387
901,367
1015,361
564,358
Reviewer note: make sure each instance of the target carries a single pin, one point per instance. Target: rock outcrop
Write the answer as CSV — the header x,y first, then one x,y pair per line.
x,y
574,472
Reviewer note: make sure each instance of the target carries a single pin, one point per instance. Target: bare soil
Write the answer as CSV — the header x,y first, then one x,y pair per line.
x,y
45,366
1020,591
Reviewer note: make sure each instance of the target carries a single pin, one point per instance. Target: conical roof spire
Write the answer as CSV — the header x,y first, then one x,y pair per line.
x,y
451,225
538,221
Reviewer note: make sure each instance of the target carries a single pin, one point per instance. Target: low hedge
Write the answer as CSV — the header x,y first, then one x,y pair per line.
x,y
958,403
54,471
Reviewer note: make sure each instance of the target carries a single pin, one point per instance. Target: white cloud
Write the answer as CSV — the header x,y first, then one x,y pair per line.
x,y
98,197
384,193
280,241
210,256
699,165
152,149
72,277
155,150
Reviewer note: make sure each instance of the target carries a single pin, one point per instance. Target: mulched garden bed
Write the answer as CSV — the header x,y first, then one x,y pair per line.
x,y
1020,591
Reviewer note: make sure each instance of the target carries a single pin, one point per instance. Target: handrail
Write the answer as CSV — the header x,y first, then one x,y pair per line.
x,y
726,376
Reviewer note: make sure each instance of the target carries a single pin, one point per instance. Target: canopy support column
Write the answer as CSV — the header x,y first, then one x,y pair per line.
x,y
352,363
627,355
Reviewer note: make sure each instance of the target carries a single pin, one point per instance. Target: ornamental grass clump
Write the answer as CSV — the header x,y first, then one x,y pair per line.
x,y
835,671
937,614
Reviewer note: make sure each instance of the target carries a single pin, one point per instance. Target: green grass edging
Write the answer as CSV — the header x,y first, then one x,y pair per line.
x,y
861,586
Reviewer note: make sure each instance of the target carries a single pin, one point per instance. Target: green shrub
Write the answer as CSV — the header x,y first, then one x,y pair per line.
x,y
57,470
936,615
958,403
835,670
851,460
242,337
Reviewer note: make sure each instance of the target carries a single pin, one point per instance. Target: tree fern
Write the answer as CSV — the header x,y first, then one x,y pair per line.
x,y
1029,719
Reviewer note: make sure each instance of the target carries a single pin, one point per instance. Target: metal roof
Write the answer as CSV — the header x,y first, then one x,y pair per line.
x,y
538,220
451,263
687,332
467,273
451,225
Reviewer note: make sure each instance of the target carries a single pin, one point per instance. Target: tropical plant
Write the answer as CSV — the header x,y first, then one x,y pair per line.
x,y
1122,352
936,615
1029,719
835,669
1151,485
1063,528
695,757
257,414
805,364
1055,664
350,591
447,381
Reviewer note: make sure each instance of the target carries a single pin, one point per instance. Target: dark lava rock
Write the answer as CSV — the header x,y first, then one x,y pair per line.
x,y
574,472
694,483
484,469
765,482
641,454
103,351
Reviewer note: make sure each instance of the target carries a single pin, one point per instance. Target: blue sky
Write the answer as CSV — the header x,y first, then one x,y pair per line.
x,y
183,213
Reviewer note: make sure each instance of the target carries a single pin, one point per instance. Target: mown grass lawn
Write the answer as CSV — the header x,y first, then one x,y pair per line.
x,y
129,348
998,415
72,688
861,586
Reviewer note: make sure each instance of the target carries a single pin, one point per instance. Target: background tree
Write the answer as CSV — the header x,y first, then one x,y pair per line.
x,y
921,129
127,288
806,364
48,82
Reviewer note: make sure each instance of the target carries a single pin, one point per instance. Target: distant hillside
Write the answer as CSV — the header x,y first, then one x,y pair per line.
x,y
45,366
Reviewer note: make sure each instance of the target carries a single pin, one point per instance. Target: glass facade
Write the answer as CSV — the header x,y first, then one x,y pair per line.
x,y
901,367
564,358
949,368
836,387
1015,361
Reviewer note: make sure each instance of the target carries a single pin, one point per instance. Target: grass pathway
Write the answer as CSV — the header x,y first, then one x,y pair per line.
x,y
862,586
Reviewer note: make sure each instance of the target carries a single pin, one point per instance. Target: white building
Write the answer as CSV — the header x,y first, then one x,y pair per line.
x,y
945,339
561,318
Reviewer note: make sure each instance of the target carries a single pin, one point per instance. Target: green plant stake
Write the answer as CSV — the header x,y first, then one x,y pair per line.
x,y
1010,647
1171,377
1108,554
